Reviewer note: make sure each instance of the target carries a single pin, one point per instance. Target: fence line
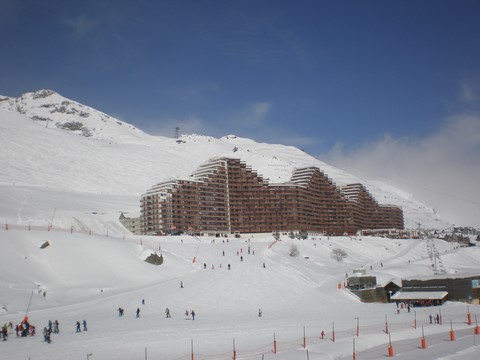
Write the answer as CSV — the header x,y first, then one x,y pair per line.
x,y
341,336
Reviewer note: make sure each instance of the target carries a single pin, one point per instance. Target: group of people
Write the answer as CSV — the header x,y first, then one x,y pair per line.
x,y
24,329
188,314
435,318
52,327
77,326
121,312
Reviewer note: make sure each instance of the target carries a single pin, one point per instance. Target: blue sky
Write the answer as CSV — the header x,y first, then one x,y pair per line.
x,y
305,73
335,78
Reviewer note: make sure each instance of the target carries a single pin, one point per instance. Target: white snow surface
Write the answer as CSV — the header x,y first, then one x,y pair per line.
x,y
89,276
69,190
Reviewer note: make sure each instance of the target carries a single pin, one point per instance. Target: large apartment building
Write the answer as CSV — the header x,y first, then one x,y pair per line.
x,y
227,196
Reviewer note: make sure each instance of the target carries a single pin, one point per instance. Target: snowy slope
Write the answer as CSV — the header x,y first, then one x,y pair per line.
x,y
90,276
72,147
53,180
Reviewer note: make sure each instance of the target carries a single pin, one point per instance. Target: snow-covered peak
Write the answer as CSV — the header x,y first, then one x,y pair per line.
x,y
55,111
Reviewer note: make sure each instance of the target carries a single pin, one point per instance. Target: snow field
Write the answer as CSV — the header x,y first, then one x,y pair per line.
x,y
90,276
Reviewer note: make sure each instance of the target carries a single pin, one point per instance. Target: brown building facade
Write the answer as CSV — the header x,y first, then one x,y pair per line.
x,y
227,196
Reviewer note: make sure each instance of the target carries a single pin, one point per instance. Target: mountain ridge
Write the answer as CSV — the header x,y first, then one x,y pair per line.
x,y
74,147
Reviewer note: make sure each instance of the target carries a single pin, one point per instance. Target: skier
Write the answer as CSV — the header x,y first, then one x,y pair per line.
x,y
259,312
143,301
46,335
193,314
84,322
181,284
430,318
187,315
167,312
56,330
138,312
77,327
228,266
4,332
322,335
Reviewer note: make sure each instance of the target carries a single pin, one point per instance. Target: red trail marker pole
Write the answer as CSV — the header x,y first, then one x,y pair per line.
x,y
354,352
191,342
274,344
304,339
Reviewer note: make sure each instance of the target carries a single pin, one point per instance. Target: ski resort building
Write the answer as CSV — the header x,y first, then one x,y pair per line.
x,y
365,213
226,196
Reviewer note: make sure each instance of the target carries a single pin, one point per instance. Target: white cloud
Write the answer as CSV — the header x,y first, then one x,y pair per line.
x,y
253,116
442,169
469,92
79,26
261,109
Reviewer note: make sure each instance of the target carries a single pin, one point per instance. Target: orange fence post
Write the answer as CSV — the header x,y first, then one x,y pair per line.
x,y
452,333
390,347
424,342
390,351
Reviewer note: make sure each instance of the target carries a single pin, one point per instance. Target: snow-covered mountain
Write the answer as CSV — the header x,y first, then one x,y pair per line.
x,y
51,142
81,177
